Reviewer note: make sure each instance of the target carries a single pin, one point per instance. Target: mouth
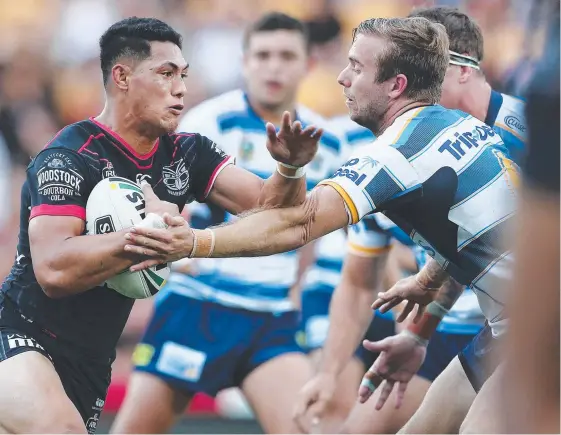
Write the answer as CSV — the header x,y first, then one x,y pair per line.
x,y
176,109
273,85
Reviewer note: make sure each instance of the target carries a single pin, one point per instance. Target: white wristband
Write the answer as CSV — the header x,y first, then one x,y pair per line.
x,y
298,172
420,340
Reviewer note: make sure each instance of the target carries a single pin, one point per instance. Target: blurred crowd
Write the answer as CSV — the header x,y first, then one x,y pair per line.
x,y
50,76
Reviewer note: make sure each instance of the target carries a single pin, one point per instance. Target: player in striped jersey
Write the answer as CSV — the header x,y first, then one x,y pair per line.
x,y
233,323
439,174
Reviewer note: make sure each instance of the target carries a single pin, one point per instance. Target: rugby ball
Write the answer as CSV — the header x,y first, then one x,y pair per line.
x,y
116,204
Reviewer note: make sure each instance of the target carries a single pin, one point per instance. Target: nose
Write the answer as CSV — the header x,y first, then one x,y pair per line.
x,y
179,88
343,79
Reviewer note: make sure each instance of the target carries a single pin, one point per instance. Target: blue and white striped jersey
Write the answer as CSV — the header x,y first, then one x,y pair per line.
x,y
260,283
352,135
462,232
506,115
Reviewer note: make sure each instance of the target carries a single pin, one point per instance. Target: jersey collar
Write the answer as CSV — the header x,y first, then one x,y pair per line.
x,y
495,103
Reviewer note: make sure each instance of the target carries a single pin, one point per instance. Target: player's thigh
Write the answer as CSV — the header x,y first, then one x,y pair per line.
x,y
32,398
151,405
445,404
271,390
486,414
365,419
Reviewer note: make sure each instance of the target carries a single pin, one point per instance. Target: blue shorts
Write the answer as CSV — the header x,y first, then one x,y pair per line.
x,y
478,359
201,346
315,324
442,349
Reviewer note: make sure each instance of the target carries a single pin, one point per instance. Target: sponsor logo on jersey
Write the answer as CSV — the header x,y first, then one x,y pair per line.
x,y
108,171
57,179
515,123
181,362
466,140
176,178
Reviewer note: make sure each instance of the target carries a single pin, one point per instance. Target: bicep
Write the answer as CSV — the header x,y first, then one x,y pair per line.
x,y
48,232
236,190
324,211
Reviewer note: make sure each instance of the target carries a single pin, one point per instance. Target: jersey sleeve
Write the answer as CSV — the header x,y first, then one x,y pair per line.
x,y
367,239
209,161
59,184
370,178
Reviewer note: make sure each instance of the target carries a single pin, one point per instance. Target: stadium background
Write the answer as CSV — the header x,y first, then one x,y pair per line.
x,y
49,77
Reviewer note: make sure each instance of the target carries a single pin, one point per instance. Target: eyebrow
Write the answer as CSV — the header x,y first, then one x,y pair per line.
x,y
173,66
354,60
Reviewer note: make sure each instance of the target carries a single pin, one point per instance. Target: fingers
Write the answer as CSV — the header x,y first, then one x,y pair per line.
x,y
297,128
145,245
377,346
141,250
383,305
145,265
401,388
303,402
286,126
384,394
405,312
419,314
156,234
271,133
147,190
174,221
370,381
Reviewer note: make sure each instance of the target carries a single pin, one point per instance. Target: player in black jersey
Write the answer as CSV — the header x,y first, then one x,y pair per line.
x,y
59,323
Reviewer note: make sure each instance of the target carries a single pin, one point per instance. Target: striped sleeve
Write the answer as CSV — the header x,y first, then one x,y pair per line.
x,y
371,178
367,239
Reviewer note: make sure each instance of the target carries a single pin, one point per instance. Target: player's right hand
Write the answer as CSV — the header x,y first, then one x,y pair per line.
x,y
312,401
401,357
153,204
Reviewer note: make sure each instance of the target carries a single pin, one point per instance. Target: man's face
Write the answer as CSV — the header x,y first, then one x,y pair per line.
x,y
275,62
156,89
367,99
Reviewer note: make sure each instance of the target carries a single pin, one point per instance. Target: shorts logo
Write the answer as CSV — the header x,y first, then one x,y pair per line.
x,y
142,355
181,362
18,340
91,424
176,178
104,225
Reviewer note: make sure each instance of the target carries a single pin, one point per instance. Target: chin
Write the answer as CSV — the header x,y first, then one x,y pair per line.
x,y
169,125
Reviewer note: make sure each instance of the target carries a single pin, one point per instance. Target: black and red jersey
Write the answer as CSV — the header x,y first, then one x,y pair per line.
x,y
181,168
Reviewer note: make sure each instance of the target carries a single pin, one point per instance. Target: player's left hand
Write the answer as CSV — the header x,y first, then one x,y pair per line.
x,y
293,145
160,245
408,289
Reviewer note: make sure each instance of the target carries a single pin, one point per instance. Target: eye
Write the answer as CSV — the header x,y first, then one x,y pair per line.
x,y
184,75
167,74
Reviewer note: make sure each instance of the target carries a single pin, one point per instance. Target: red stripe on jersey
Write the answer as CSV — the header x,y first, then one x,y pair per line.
x,y
215,173
124,142
58,210
89,141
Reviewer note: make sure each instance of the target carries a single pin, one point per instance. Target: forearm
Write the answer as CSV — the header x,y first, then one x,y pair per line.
x,y
436,310
349,318
279,191
83,262
432,275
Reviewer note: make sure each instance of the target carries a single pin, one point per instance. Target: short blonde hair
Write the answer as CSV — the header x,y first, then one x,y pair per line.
x,y
417,49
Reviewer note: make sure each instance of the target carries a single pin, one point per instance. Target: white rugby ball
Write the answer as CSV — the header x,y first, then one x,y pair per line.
x,y
116,204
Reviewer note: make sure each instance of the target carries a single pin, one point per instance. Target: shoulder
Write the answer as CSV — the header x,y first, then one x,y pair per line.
x,y
511,117
213,111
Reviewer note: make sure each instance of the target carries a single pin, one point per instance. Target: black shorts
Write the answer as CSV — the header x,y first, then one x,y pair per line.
x,y
478,358
85,381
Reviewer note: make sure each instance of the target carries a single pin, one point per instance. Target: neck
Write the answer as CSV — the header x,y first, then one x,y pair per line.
x,y
475,100
272,114
125,125
395,111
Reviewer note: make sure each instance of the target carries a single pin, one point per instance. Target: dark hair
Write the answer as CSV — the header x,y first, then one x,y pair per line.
x,y
277,21
416,48
463,32
131,37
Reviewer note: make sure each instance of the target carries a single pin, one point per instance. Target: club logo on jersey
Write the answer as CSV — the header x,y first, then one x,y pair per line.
x,y
58,179
176,178
108,171
368,161
104,225
466,140
246,149
514,123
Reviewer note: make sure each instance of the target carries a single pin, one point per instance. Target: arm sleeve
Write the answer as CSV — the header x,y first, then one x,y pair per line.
x,y
58,183
370,178
209,162
367,239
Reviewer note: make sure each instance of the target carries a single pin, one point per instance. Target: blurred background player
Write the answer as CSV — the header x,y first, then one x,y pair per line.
x,y
233,324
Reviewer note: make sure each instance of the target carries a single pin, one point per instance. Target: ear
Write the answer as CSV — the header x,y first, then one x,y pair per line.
x,y
398,86
465,74
121,75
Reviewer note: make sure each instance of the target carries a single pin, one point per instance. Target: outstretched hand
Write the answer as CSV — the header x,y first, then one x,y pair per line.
x,y
293,145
